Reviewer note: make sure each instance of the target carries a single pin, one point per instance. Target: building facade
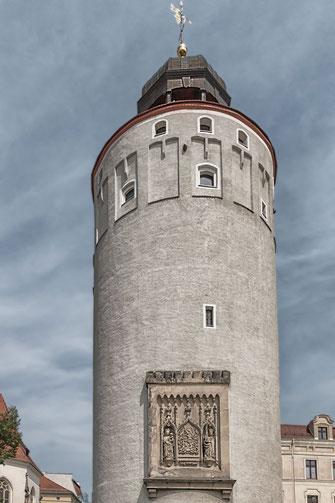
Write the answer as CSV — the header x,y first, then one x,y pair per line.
x,y
308,456
186,384
19,476
59,488
21,481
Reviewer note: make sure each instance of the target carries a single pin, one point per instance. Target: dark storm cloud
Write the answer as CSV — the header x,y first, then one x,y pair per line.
x,y
72,72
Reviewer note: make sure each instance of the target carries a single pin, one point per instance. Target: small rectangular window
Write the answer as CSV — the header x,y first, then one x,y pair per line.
x,y
322,432
209,316
311,472
333,470
312,499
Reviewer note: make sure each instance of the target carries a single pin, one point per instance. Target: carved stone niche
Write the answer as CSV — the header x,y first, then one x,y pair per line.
x,y
188,431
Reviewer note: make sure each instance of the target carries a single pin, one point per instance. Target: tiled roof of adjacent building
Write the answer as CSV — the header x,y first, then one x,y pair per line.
x,y
48,485
296,431
77,488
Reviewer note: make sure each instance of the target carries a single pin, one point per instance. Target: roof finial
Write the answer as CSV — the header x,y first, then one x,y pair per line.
x,y
181,20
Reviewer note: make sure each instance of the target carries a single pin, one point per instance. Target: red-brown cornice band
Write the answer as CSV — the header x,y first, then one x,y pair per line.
x,y
185,105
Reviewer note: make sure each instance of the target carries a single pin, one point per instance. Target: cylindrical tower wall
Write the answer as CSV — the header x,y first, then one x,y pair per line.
x,y
160,257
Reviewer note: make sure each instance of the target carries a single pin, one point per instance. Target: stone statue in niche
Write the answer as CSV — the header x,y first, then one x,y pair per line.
x,y
209,437
168,441
168,446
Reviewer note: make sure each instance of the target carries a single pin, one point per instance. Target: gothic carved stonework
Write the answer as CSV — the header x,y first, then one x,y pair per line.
x,y
188,430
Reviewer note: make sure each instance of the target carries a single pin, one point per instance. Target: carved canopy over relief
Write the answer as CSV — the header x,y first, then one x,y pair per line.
x,y
188,431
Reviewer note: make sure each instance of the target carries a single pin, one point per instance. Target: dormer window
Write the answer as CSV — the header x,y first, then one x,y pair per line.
x,y
205,125
242,138
128,192
160,128
207,176
321,427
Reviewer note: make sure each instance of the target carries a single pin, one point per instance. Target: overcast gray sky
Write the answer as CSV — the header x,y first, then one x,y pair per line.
x,y
71,73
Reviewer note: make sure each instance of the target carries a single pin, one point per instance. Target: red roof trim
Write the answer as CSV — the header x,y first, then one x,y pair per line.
x,y
180,105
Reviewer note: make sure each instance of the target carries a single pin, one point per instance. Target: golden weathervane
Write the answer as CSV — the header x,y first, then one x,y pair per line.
x,y
181,20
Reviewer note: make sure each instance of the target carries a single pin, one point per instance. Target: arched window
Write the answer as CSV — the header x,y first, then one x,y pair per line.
x,y
128,192
207,176
32,495
205,125
5,491
242,138
160,128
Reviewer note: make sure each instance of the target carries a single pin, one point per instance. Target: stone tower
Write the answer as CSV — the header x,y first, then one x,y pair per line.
x,y
186,384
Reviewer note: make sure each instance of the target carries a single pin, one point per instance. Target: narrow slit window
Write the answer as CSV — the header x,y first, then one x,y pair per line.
x,y
333,463
209,313
242,138
205,125
264,209
160,128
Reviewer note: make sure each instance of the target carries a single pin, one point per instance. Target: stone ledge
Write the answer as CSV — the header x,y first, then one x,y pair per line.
x,y
224,486
188,377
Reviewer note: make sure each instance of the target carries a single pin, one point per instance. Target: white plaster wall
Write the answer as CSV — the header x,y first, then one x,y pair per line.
x,y
154,269
15,473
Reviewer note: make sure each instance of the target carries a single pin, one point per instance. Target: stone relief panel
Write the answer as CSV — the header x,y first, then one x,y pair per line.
x,y
188,431
163,176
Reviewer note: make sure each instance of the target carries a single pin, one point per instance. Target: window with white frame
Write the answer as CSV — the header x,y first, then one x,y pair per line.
x,y
205,125
209,316
242,138
160,128
264,209
128,192
5,491
207,176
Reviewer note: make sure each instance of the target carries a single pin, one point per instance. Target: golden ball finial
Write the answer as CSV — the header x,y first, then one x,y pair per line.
x,y
182,50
